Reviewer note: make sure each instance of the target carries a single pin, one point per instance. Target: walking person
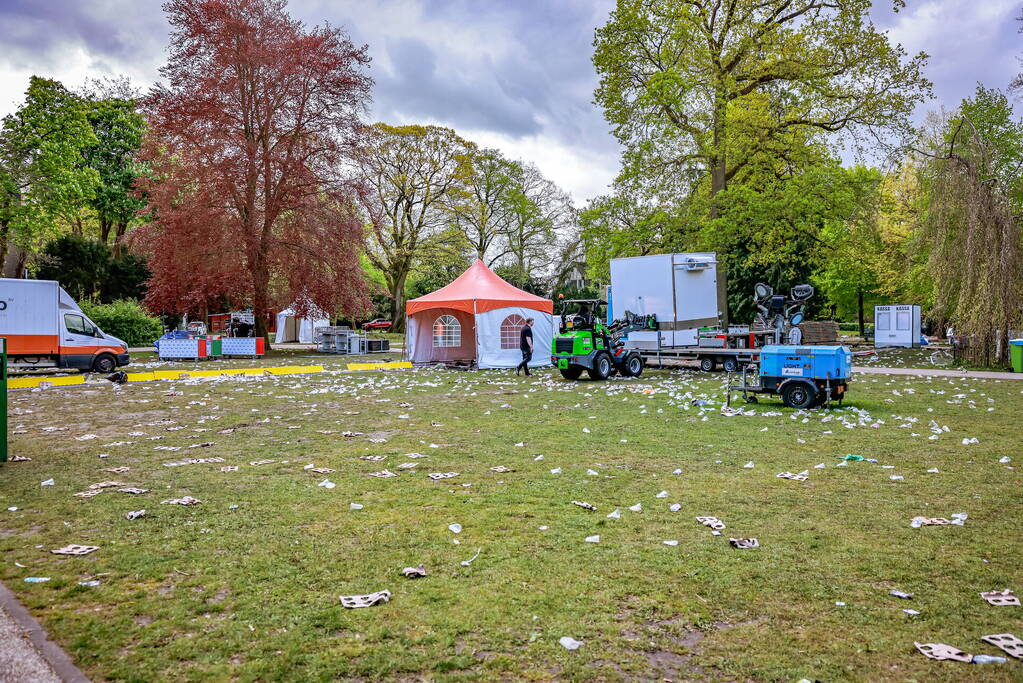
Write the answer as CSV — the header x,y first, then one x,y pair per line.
x,y
526,346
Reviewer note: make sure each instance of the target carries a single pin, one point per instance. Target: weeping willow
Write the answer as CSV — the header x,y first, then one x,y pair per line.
x,y
973,234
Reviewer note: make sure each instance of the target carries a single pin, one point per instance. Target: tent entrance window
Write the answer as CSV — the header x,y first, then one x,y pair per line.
x,y
510,329
447,332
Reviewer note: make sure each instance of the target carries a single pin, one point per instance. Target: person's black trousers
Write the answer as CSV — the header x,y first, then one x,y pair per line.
x,y
524,365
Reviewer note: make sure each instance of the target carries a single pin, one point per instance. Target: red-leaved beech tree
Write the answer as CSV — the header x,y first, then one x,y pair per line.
x,y
247,144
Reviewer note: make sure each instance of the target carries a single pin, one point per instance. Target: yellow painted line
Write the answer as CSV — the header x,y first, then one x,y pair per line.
x,y
44,382
397,365
294,370
141,376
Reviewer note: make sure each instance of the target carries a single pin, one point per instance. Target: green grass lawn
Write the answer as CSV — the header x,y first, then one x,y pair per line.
x,y
246,584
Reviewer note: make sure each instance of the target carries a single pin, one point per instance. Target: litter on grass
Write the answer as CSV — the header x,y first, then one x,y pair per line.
x,y
501,468
1004,598
793,477
357,601
466,563
584,505
569,643
135,514
593,539
187,500
383,474
1006,642
615,515
900,594
455,528
75,549
941,651
743,543
355,506
713,522
414,572
441,475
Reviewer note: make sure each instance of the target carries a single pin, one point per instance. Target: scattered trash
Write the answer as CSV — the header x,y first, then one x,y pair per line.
x,y
441,475
1005,459
327,484
958,519
988,659
466,563
713,522
355,506
662,494
556,470
584,505
675,507
372,458
116,470
617,514
12,509
900,594
570,643
75,549
677,471
455,528
1004,598
48,482
132,490
187,500
933,470
383,474
850,457
36,579
911,612
793,477
229,468
321,470
257,463
744,543
671,543
749,465
593,539
592,473
819,467
896,477
135,514
638,507
414,572
501,468
91,583
357,601
942,652
1006,642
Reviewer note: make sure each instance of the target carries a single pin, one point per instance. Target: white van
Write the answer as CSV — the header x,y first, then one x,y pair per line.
x,y
45,328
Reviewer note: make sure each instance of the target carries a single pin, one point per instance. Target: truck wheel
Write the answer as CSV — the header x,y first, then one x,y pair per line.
x,y
633,366
601,367
729,365
571,373
799,396
104,363
707,364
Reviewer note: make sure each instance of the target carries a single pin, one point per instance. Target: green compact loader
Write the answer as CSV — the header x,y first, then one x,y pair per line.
x,y
586,343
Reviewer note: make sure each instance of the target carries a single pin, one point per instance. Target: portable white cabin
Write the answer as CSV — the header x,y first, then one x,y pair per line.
x,y
896,326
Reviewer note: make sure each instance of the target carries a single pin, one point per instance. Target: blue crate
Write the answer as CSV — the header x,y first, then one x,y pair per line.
x,y
812,362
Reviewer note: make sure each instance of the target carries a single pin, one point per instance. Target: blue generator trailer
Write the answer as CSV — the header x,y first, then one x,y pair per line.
x,y
804,376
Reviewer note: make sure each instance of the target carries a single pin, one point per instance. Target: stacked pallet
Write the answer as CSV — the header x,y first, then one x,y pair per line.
x,y
819,331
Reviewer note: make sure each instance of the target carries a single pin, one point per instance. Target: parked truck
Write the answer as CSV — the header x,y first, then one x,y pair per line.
x,y
45,328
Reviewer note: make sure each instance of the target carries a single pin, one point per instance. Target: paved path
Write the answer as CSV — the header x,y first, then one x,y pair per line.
x,y
938,372
27,655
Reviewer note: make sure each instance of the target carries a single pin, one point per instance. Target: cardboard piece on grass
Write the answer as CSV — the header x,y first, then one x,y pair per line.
x,y
442,475
501,468
229,468
941,651
584,505
18,458
368,600
1004,598
712,522
116,470
321,470
256,463
75,549
744,543
89,494
414,572
793,477
133,490
1006,642
106,484
383,474
186,500
135,514
372,458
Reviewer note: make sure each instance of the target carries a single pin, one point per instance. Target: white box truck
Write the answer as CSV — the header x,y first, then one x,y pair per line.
x,y
45,328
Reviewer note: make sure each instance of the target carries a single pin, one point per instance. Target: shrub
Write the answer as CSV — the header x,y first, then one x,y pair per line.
x,y
125,319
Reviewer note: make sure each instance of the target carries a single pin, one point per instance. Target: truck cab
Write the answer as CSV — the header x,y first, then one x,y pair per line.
x,y
45,328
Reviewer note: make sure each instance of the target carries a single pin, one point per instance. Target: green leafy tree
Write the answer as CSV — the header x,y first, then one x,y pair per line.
x,y
695,87
479,202
80,264
43,173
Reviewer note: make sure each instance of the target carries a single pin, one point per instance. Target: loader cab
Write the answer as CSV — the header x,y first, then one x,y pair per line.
x,y
580,314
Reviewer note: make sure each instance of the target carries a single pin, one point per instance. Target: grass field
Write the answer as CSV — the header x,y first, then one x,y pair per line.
x,y
245,585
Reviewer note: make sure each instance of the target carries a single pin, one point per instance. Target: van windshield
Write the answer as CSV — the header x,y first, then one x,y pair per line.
x,y
77,324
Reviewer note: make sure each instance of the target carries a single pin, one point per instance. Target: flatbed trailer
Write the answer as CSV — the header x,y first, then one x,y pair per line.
x,y
709,358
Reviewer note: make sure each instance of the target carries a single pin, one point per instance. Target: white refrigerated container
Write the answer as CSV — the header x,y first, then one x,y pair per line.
x,y
685,292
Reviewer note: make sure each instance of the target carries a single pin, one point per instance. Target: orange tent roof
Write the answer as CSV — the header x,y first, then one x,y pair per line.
x,y
479,290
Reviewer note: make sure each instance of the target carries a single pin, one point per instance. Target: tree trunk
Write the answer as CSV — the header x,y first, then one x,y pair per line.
x,y
718,161
5,231
859,303
398,304
261,302
104,229
121,228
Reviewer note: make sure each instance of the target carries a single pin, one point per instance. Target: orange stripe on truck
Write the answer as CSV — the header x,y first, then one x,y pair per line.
x,y
89,350
31,344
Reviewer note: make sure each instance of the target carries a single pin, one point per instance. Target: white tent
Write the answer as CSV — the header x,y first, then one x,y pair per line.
x,y
478,317
293,329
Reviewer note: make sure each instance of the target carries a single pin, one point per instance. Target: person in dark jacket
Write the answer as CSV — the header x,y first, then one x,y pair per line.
x,y
526,346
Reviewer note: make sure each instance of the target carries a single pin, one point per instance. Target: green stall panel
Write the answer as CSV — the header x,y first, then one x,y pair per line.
x,y
1016,354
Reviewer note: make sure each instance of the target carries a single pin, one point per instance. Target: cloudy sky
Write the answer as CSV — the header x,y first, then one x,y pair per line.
x,y
512,74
